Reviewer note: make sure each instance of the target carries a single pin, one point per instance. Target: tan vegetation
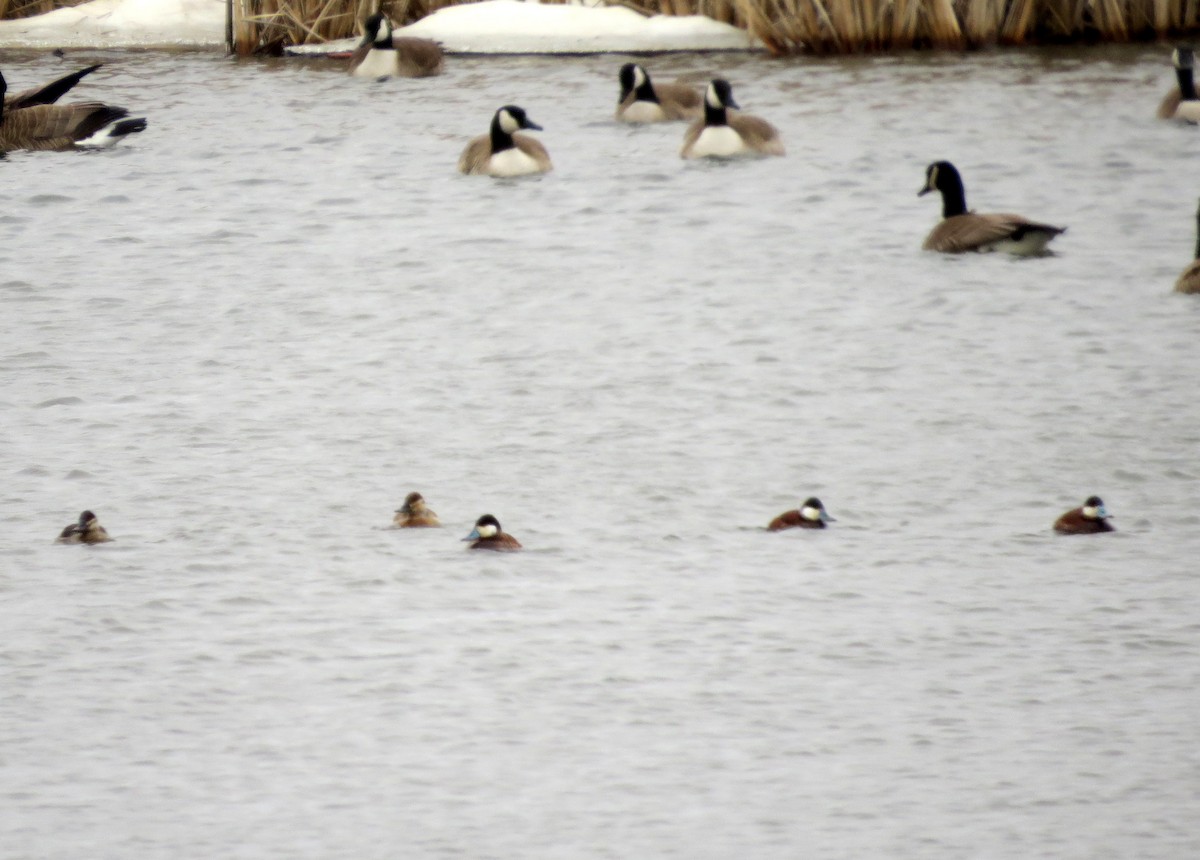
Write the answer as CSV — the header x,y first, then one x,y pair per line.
x,y
784,26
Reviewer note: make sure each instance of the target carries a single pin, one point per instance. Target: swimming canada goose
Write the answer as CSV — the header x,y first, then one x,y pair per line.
x,y
382,55
1189,279
961,230
86,530
1175,104
56,127
722,135
503,152
643,101
47,94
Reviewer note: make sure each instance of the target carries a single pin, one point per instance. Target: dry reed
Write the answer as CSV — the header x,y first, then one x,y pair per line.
x,y
783,26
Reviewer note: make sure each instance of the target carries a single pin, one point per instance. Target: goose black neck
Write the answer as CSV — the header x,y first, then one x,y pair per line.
x,y
1198,235
1187,85
646,93
3,90
714,115
501,139
954,197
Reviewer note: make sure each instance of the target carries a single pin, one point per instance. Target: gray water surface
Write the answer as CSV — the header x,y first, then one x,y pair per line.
x,y
244,336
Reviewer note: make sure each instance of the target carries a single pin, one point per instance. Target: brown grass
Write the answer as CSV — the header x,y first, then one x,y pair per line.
x,y
784,26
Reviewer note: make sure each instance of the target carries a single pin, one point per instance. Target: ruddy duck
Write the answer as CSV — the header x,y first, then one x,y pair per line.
x,y
414,515
1089,519
810,515
503,152
87,530
962,230
487,534
723,135
643,101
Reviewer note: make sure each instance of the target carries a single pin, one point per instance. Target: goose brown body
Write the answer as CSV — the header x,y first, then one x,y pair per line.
x,y
380,54
504,152
724,134
961,230
1189,278
644,101
60,127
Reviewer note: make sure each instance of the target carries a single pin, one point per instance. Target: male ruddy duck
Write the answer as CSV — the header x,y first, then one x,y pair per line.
x,y
810,515
487,534
414,515
87,530
1089,519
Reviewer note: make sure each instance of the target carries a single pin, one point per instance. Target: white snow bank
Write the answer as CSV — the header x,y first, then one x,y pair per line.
x,y
490,27
121,24
512,27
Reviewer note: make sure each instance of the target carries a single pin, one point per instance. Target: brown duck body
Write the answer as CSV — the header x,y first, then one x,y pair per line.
x,y
501,542
414,514
794,520
1075,522
86,530
1088,519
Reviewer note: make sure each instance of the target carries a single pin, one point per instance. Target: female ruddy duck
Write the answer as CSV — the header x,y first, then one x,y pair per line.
x,y
487,534
87,530
414,515
810,515
1089,519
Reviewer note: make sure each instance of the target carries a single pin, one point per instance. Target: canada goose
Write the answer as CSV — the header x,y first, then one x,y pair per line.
x,y
643,101
57,127
961,230
414,514
1189,279
86,530
503,152
47,94
382,55
721,135
1174,104
1088,519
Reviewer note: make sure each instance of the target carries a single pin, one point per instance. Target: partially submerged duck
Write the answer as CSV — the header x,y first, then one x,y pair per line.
x,y
721,134
380,54
86,530
810,515
504,152
487,534
962,230
643,101
413,514
1088,519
